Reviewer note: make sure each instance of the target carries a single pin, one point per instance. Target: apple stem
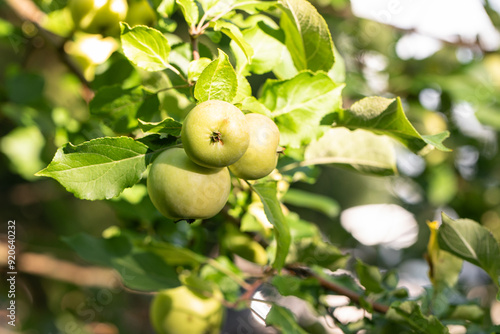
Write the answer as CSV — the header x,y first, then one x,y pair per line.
x,y
280,150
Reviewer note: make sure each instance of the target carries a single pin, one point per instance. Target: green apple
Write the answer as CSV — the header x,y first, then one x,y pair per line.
x,y
103,17
182,310
261,156
140,13
80,8
181,189
215,134
243,245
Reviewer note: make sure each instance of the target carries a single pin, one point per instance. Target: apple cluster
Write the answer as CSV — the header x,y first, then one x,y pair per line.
x,y
103,16
194,182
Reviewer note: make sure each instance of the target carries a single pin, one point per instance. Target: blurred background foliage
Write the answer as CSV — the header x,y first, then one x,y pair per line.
x,y
43,105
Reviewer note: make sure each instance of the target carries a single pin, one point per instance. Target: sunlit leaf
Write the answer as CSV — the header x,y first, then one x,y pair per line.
x,y
359,150
298,105
307,36
233,32
100,168
189,10
196,67
267,45
386,116
145,47
218,81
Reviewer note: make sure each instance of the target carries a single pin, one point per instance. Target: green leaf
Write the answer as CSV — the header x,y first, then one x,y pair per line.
x,y
196,67
156,143
410,314
244,90
146,271
24,88
267,45
268,195
314,251
307,36
166,8
305,199
145,47
228,286
139,269
251,104
444,267
100,168
168,126
98,250
254,7
119,108
175,255
386,116
218,81
357,150
189,10
369,277
471,242
233,32
216,7
338,71
307,289
23,147
284,320
298,105
468,312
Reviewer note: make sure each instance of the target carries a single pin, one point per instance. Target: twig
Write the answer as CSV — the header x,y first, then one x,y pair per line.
x,y
194,47
27,11
229,274
173,87
53,268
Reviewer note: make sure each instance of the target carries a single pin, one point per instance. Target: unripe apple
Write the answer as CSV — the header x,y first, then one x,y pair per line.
x,y
243,245
98,16
140,13
215,134
80,8
183,310
261,156
181,189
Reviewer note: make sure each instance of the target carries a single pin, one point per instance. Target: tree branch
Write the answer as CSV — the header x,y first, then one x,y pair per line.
x,y
26,10
353,296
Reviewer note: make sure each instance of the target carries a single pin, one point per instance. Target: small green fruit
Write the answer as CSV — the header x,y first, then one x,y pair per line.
x,y
98,16
182,310
215,134
261,156
140,13
244,246
181,189
80,8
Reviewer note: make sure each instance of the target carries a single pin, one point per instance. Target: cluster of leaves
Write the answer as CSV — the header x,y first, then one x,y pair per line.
x,y
233,44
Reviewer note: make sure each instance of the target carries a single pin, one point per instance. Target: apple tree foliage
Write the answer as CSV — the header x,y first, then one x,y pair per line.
x,y
276,58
